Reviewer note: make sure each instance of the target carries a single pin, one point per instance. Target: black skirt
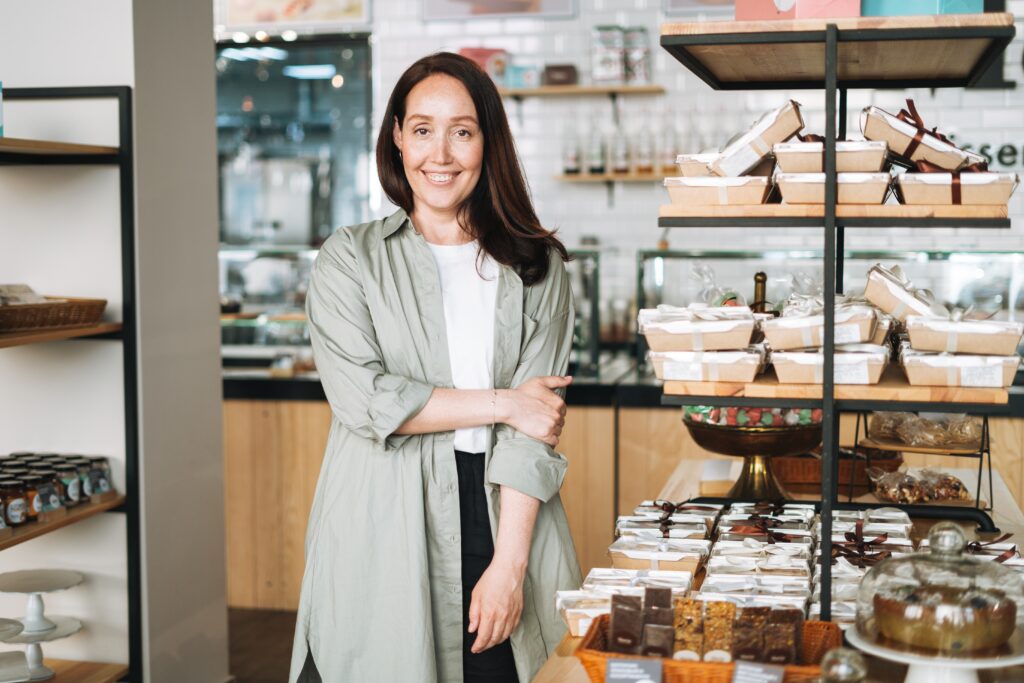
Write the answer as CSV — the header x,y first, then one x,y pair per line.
x,y
495,665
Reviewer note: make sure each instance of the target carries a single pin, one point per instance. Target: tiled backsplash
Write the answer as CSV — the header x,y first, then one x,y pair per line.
x,y
629,220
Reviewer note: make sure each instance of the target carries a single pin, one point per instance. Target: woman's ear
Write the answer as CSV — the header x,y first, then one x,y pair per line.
x,y
396,135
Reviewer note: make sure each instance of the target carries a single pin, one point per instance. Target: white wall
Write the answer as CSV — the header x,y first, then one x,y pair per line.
x,y
400,37
60,233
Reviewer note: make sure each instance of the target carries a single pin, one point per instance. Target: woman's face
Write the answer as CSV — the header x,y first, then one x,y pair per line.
x,y
441,143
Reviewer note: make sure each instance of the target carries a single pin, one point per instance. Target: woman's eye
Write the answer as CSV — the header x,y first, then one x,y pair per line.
x,y
463,133
420,131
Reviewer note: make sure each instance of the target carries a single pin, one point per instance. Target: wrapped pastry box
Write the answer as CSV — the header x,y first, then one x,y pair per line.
x,y
633,581
882,329
711,366
696,328
911,140
980,337
852,156
852,188
946,370
973,189
580,608
687,527
853,364
716,191
891,291
774,565
853,325
699,165
750,547
665,554
746,151
656,509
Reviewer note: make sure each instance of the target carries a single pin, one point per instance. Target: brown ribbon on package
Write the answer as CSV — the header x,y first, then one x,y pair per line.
x,y
979,548
928,167
669,508
856,548
915,120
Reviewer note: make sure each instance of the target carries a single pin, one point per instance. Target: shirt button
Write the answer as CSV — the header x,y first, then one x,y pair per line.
x,y
455,588
453,538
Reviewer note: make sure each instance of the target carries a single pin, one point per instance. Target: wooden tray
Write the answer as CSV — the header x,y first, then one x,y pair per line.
x,y
65,312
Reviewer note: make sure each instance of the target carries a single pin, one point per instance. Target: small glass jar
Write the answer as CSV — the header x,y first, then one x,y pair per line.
x,y
14,471
51,493
84,467
12,494
72,485
101,464
32,482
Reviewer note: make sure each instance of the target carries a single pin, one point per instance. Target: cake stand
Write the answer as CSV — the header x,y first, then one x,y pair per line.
x,y
35,582
64,627
13,667
755,444
937,668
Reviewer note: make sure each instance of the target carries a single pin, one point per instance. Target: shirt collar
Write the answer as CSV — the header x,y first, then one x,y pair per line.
x,y
395,221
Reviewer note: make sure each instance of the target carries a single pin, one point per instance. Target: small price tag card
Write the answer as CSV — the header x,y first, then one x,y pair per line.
x,y
634,671
751,672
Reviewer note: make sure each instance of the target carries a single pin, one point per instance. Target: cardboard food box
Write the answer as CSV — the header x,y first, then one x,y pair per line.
x,y
978,337
697,328
878,124
853,325
944,370
629,580
715,191
887,289
714,366
643,527
974,189
851,188
862,364
749,149
664,554
699,165
774,565
852,156
882,329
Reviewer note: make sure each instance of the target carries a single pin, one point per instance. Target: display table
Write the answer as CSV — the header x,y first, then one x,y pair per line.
x,y
685,482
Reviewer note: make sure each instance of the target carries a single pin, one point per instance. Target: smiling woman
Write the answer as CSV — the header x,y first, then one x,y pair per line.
x,y
441,335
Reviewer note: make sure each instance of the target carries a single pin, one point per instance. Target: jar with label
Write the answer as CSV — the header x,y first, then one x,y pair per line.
x,y
102,481
84,467
72,485
32,482
12,493
14,472
51,491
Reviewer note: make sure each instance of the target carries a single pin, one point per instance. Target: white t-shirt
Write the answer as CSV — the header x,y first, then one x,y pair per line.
x,y
469,301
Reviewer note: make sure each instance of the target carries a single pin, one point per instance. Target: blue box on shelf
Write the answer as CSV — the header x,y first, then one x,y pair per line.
x,y
895,8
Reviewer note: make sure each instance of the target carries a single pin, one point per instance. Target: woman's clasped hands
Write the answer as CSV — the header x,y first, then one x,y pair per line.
x,y
534,409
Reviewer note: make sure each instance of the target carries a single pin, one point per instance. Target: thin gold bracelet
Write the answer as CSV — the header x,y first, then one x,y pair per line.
x,y
494,406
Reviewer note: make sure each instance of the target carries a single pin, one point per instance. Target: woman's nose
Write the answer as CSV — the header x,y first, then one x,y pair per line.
x,y
441,151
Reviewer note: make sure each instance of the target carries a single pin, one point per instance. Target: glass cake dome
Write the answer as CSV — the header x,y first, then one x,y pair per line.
x,y
941,601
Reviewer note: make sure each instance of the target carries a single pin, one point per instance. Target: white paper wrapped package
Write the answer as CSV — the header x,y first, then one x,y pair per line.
x,y
750,547
979,337
852,364
580,608
709,366
667,554
774,565
949,370
696,328
653,528
747,150
853,325
968,189
852,156
715,191
699,165
910,139
890,290
851,188
843,613
634,581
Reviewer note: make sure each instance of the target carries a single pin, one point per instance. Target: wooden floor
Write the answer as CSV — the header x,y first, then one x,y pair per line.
x,y
260,644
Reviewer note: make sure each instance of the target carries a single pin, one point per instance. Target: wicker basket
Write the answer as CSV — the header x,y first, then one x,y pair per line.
x,y
807,470
818,638
63,312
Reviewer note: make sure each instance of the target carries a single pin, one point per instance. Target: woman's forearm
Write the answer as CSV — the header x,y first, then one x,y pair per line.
x,y
450,409
515,529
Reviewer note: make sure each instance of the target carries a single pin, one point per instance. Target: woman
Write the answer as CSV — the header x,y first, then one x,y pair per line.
x,y
437,538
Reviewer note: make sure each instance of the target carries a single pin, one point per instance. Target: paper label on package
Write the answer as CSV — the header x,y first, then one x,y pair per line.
x,y
739,161
633,671
983,376
846,334
850,373
754,672
683,371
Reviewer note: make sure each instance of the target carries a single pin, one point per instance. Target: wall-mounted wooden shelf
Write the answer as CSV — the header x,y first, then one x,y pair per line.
x,y
581,90
85,672
45,147
8,339
849,215
76,514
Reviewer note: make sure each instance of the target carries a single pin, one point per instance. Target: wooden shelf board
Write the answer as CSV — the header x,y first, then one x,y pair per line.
x,y
76,514
85,672
45,147
8,339
893,387
896,447
884,211
938,54
611,178
569,90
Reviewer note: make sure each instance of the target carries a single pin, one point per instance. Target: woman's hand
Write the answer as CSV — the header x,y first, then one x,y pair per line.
x,y
534,408
497,604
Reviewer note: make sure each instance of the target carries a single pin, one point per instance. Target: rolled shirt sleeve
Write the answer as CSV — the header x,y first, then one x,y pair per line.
x,y
365,399
518,461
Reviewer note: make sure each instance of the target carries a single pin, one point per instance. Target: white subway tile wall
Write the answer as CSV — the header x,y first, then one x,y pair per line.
x,y
626,219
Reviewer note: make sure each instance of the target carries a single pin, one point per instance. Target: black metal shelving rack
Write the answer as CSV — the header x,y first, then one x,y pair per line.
x,y
123,160
688,49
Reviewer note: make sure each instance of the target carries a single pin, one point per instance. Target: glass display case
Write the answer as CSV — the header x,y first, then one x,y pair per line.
x,y
992,282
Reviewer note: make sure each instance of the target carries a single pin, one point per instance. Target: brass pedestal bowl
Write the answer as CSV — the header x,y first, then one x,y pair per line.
x,y
755,444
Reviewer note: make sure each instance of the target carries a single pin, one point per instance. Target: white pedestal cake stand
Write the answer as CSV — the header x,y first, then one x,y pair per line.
x,y
64,628
936,668
37,627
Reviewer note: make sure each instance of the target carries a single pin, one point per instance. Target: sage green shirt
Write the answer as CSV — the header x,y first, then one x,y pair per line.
x,y
382,590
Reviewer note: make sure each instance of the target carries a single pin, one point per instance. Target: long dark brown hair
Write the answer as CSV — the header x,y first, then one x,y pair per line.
x,y
498,212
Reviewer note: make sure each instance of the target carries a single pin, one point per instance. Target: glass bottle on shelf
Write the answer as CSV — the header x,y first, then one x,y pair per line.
x,y
595,148
643,149
618,151
570,151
